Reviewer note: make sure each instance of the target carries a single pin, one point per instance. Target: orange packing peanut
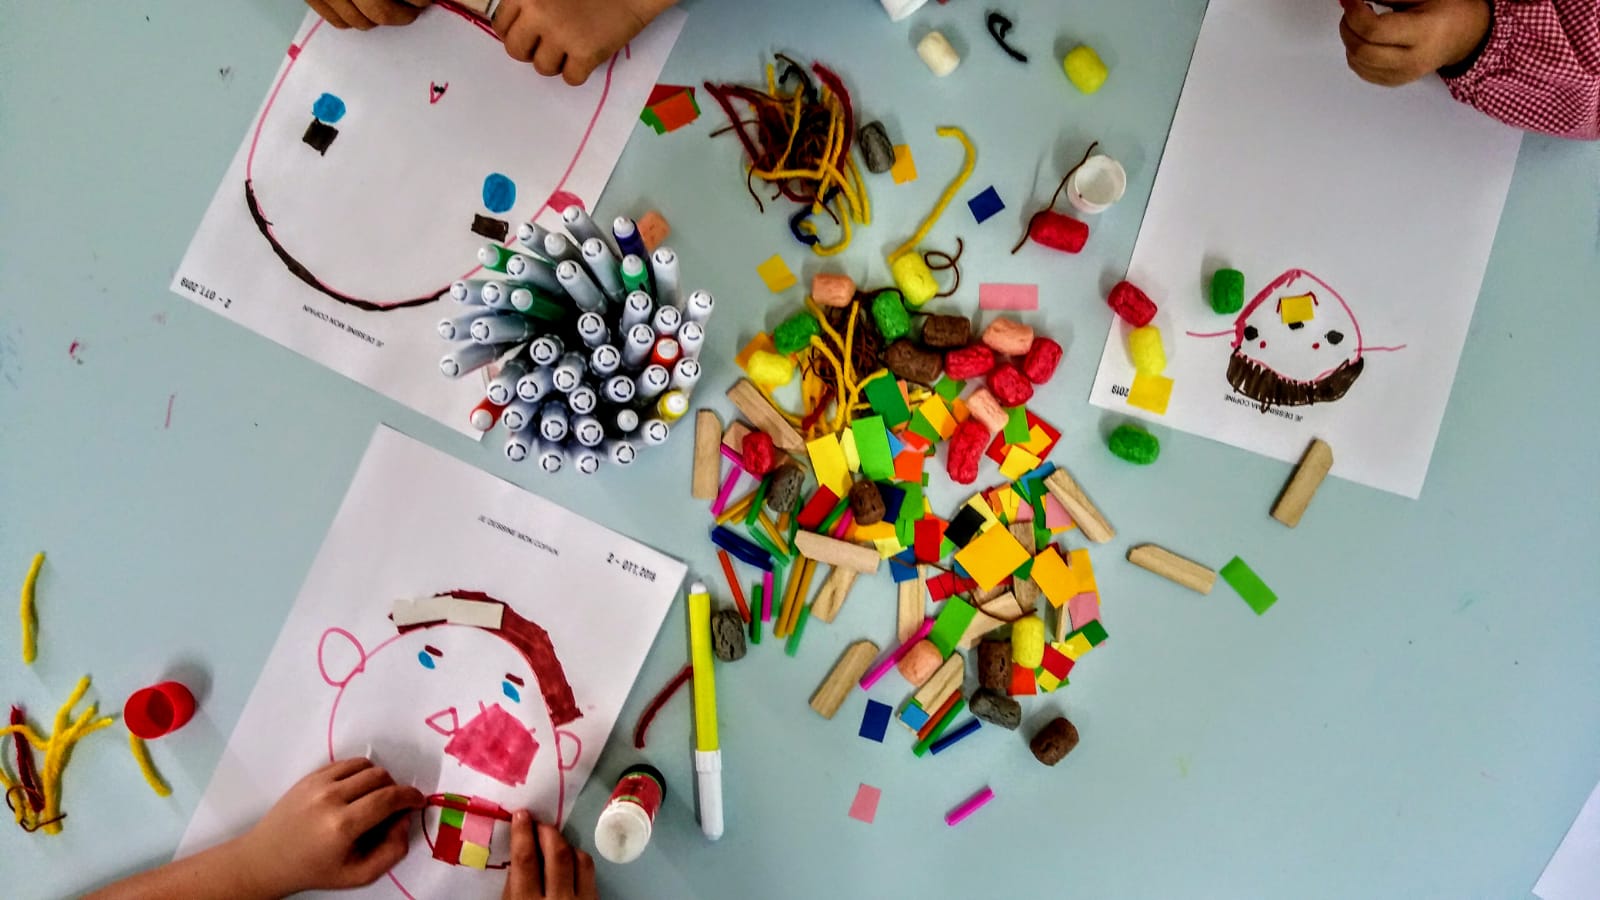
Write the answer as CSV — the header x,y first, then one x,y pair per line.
x,y
833,289
1008,337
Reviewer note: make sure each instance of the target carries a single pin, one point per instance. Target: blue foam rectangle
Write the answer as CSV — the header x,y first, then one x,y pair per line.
x,y
875,721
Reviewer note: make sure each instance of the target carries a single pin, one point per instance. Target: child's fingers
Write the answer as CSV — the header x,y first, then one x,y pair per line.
x,y
361,784
523,39
344,768
328,15
549,58
586,886
1396,29
366,813
346,10
578,69
388,12
504,18
386,855
558,864
523,883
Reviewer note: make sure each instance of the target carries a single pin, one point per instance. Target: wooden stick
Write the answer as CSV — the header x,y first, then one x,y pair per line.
x,y
1083,511
707,456
755,407
846,672
835,552
913,605
1063,623
1173,567
1005,608
1302,486
982,623
733,438
1027,592
942,683
834,590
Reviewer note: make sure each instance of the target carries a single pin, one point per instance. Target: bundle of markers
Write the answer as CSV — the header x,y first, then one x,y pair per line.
x,y
595,342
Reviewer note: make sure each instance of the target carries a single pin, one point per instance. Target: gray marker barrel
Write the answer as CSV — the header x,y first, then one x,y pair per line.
x,y
664,268
546,349
532,300
685,374
652,381
507,329
691,339
534,271
468,292
464,358
602,264
519,445
618,389
537,384
584,292
587,431
583,400
459,328
592,329
569,372
558,248
552,456
621,451
581,226
654,432
502,388
531,235
605,360
666,320
553,422
625,421
699,307
636,310
519,414
587,460
641,340
496,295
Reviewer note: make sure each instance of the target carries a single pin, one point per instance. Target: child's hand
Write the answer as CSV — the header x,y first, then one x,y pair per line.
x,y
567,875
1413,41
342,826
365,14
571,38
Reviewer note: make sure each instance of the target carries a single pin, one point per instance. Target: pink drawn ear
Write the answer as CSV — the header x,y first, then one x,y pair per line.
x,y
575,748
342,659
560,200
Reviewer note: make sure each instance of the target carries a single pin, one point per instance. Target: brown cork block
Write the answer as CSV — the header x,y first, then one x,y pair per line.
x,y
994,665
946,332
1054,741
913,363
866,503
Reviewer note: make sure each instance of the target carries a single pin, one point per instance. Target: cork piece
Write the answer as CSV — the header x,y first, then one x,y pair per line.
x,y
944,682
994,665
846,672
876,150
1026,590
747,397
982,623
995,708
1083,511
830,599
913,608
1297,494
866,503
836,552
1054,741
919,663
946,332
707,456
1173,567
913,363
784,489
727,635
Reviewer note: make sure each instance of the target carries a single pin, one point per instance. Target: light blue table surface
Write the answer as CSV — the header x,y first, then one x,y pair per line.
x,y
1419,716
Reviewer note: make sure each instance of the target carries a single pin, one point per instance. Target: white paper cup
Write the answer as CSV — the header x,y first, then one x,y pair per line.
x,y
900,9
1097,184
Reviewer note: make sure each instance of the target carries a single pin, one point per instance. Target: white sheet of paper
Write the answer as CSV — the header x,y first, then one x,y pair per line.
x,y
1574,870
383,217
1280,158
342,678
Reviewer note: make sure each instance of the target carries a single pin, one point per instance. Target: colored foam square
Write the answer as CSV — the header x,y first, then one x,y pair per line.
x,y
817,508
888,546
1016,430
474,855
958,409
1075,646
900,572
1150,393
1039,445
1297,310
913,507
875,720
949,388
872,446
1056,516
1023,681
877,531
1019,462
992,557
447,842
1054,578
865,807
1008,296
938,415
1082,569
761,342
990,520
905,168
829,464
1039,441
1055,662
670,107
986,204
929,535
908,466
1248,585
653,230
917,443
894,500
775,273
966,525
884,396
1046,681
922,428
914,716
1094,633
951,624
453,818
1083,609
478,829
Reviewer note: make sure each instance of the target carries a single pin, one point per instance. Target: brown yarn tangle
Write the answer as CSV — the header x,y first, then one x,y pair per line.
x,y
949,263
31,797
1054,198
866,349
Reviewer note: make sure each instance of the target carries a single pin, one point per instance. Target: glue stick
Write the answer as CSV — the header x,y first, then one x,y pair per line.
x,y
625,823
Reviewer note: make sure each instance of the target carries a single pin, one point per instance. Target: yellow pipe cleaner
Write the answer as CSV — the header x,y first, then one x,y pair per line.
x,y
57,748
30,640
141,755
949,192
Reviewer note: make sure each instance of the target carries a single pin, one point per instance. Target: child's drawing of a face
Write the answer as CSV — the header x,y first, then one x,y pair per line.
x,y
456,709
1296,343
374,173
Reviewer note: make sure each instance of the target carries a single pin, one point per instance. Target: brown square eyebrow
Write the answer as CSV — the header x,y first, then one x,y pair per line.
x,y
433,650
514,679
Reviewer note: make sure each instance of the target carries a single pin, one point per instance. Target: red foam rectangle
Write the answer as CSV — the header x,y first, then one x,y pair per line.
x,y
817,508
929,537
1022,681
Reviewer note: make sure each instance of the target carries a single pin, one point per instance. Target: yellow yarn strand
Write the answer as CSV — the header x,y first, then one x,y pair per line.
x,y
949,192
141,755
30,640
57,748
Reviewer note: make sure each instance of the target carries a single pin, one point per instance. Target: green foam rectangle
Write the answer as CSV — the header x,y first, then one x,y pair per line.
x,y
884,396
1249,585
951,624
949,388
1016,430
872,446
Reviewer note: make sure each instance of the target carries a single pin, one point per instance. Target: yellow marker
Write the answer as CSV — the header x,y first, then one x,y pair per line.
x,y
707,752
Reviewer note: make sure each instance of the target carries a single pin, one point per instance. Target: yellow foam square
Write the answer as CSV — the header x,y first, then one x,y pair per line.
x,y
991,557
905,168
1150,392
1074,647
847,443
888,546
762,341
1046,681
938,415
775,272
1297,309
1082,570
875,532
1019,462
474,855
1009,503
1050,572
829,465
1038,441
982,506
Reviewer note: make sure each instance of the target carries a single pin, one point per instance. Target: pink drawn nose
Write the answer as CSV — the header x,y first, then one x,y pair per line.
x,y
495,744
437,721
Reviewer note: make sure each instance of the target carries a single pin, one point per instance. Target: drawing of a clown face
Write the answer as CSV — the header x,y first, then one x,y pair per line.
x,y
1295,343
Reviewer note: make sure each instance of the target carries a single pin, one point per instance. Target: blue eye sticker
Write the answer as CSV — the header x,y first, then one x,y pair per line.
x,y
328,108
425,659
499,193
510,691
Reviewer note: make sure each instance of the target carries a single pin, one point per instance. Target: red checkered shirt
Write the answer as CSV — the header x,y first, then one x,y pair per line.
x,y
1539,69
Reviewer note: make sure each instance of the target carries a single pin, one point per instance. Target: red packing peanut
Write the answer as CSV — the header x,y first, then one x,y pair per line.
x,y
966,451
1040,363
969,362
1058,232
760,455
1133,305
1009,386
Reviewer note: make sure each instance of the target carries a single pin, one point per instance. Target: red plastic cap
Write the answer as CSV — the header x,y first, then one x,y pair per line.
x,y
158,710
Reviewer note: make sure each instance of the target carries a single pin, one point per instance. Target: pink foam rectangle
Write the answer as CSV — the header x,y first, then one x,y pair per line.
x,y
865,806
1008,296
477,829
1083,609
1055,515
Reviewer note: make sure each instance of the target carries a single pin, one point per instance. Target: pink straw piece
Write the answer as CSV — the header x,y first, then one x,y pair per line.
x,y
766,596
974,803
845,521
732,456
728,484
888,662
